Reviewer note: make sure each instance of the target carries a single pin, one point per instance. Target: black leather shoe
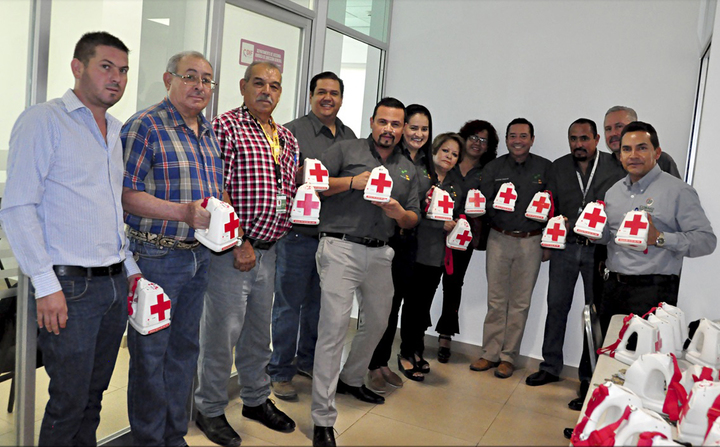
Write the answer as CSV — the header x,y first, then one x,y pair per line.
x,y
218,430
360,392
576,404
323,437
541,378
269,415
568,433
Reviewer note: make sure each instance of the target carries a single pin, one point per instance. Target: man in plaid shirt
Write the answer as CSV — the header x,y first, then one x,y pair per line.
x,y
260,163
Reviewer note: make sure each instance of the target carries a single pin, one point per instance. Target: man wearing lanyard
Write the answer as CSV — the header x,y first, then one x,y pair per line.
x,y
172,163
260,162
578,178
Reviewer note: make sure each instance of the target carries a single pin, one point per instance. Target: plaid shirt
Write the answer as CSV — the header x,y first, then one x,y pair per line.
x,y
250,173
165,158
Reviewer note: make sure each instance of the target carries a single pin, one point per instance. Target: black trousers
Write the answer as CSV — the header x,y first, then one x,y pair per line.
x,y
448,323
416,309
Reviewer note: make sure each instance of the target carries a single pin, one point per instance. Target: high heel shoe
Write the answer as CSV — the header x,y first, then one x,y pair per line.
x,y
413,373
444,351
422,364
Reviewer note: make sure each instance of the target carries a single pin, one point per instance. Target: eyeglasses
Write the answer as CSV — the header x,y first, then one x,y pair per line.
x,y
194,80
476,138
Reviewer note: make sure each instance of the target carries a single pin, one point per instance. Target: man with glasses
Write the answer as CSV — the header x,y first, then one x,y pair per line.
x,y
260,163
172,163
63,218
353,255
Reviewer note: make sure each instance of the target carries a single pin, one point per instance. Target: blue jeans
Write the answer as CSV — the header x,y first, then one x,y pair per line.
x,y
297,305
162,364
80,360
565,266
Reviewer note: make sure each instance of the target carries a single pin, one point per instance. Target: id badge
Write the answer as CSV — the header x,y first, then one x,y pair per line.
x,y
281,203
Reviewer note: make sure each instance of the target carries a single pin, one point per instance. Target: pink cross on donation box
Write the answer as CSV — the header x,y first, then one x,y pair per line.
x,y
316,174
505,198
539,208
379,185
150,308
633,231
555,233
306,206
475,203
460,237
592,220
441,206
222,233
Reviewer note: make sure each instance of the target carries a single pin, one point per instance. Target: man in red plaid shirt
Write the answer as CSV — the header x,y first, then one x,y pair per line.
x,y
260,163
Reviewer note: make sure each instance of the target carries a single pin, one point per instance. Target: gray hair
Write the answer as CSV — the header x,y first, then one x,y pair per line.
x,y
270,65
172,65
628,110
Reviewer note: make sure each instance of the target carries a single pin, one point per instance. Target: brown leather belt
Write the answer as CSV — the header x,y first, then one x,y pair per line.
x,y
518,234
160,240
89,272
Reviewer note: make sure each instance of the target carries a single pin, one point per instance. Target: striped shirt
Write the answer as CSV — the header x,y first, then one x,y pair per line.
x,y
250,173
164,158
62,203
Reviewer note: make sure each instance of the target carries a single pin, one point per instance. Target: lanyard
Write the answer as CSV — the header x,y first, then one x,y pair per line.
x,y
275,148
586,188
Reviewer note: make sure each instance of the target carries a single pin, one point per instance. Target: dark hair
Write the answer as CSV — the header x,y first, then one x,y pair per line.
x,y
473,127
85,47
418,109
639,126
443,138
520,121
326,75
588,121
389,102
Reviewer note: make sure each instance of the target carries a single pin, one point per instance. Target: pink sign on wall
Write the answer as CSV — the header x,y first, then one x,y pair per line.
x,y
256,52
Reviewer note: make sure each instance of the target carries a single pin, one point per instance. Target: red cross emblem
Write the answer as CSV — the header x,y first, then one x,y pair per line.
x,y
308,204
556,231
380,183
161,306
463,238
635,225
658,343
595,218
541,204
445,204
476,199
318,172
232,225
508,195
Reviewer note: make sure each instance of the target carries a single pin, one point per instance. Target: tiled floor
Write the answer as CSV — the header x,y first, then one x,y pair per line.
x,y
453,406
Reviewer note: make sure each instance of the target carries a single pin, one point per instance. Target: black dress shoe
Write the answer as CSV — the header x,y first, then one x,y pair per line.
x,y
360,392
323,437
568,433
218,430
269,415
541,378
576,404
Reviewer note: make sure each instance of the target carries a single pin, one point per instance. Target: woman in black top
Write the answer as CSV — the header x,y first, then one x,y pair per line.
x,y
481,141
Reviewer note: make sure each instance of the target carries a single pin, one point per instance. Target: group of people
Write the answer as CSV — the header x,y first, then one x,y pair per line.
x,y
92,204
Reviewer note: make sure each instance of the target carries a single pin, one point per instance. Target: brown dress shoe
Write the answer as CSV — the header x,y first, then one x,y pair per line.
x,y
483,365
504,370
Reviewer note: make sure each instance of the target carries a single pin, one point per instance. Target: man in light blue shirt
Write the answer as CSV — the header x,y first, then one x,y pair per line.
x,y
63,217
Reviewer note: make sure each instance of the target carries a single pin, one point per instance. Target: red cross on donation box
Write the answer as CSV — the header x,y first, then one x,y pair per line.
x,y
555,233
460,236
592,221
475,203
150,307
306,206
222,232
379,185
505,198
441,206
633,231
539,208
315,173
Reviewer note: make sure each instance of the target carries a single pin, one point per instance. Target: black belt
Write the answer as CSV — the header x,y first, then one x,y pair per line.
x,y
520,234
366,241
640,280
582,240
260,245
74,270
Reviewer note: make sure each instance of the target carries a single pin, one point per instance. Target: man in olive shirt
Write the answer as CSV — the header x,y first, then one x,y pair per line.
x,y
353,255
297,284
513,249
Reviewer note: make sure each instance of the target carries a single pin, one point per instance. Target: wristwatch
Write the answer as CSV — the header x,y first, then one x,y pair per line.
x,y
242,239
660,241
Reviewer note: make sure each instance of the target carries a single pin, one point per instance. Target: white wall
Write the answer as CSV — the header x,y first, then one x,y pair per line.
x,y
550,61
